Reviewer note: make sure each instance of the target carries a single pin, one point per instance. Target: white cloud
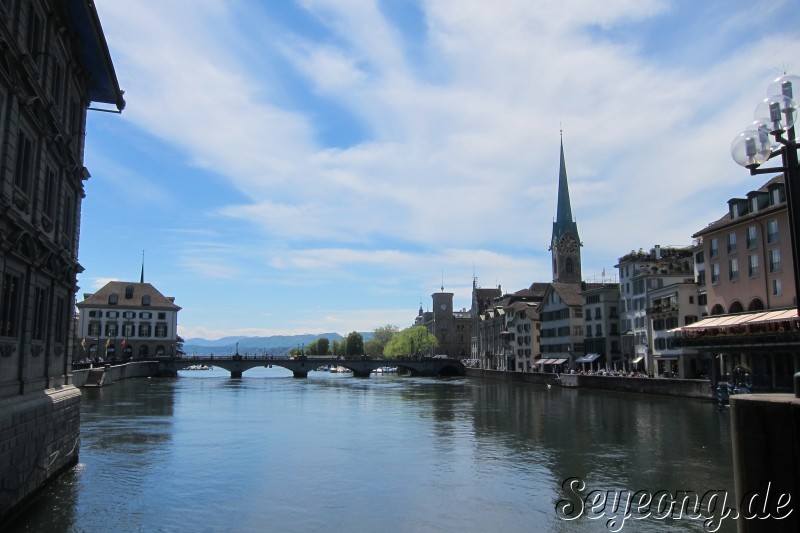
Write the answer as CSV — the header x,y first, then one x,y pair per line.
x,y
450,136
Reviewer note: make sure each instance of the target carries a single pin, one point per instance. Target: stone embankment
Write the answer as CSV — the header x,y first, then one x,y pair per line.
x,y
92,377
688,388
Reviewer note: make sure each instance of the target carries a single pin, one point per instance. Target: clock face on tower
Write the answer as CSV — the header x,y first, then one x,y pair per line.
x,y
444,307
568,244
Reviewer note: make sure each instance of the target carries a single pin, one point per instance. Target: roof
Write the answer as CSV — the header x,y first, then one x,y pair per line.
x,y
570,292
100,298
94,54
726,219
564,222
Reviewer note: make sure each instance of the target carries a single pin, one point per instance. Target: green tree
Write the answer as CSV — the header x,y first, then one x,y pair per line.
x,y
413,341
380,338
337,347
354,344
318,347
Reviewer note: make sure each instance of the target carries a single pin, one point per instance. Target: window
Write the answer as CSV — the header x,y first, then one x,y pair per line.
x,y
23,172
128,330
128,292
597,313
713,248
702,299
49,200
714,273
162,316
776,287
94,329
691,299
144,330
598,330
112,314
733,269
129,314
161,330
112,300
146,315
111,329
731,243
772,231
69,222
752,265
568,266
698,257
775,260
39,313
701,277
9,305
146,299
752,237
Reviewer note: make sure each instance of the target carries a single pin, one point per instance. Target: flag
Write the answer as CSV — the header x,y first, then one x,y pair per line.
x,y
83,342
108,343
123,343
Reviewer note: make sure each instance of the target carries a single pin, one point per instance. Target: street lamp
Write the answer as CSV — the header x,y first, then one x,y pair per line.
x,y
775,116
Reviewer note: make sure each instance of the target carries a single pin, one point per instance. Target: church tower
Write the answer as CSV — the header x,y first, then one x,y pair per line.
x,y
565,244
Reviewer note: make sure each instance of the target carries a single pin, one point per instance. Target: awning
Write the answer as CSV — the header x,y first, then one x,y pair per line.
x,y
758,317
589,358
667,356
638,359
555,361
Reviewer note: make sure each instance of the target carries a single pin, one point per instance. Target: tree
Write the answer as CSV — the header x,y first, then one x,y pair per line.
x,y
354,344
337,347
413,341
318,347
380,338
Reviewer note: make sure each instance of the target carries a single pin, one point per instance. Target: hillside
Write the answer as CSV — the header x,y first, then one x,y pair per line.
x,y
273,345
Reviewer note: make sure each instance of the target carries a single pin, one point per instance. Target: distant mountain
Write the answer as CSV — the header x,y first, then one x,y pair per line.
x,y
274,345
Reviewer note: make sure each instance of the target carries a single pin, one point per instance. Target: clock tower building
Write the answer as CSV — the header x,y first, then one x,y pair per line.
x,y
565,244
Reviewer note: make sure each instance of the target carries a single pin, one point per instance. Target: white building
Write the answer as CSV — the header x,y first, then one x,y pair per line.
x,y
125,320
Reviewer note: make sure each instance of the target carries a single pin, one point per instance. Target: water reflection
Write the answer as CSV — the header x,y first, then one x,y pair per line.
x,y
387,453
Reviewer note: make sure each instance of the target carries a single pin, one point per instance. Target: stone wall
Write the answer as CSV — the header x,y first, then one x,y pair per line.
x,y
39,437
689,388
140,369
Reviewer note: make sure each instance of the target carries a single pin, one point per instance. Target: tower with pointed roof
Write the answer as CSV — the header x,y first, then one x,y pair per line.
x,y
565,244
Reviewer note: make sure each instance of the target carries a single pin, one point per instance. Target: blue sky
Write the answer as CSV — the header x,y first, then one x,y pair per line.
x,y
312,166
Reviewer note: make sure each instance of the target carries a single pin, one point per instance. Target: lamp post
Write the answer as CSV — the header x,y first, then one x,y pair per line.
x,y
775,116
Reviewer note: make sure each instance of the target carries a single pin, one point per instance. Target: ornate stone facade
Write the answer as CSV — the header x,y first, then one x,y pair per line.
x,y
54,61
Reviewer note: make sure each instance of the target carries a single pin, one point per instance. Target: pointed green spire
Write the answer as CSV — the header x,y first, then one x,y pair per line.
x,y
564,220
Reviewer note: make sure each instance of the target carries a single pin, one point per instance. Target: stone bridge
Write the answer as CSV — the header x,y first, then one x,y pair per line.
x,y
302,365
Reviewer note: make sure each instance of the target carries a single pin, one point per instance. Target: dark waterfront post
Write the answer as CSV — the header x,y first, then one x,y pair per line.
x,y
765,429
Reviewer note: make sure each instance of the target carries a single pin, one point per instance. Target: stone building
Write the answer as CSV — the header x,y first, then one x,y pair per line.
x,y
601,327
124,321
54,62
452,329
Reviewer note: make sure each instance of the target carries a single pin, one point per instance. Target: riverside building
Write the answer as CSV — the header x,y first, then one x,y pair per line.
x,y
54,64
124,321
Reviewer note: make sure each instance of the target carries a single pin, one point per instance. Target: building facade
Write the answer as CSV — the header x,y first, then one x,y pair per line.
x,y
752,333
641,273
54,62
601,327
125,321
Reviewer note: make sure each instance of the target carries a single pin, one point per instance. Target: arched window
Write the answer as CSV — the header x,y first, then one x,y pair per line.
x,y
568,266
736,307
717,310
159,350
756,305
143,350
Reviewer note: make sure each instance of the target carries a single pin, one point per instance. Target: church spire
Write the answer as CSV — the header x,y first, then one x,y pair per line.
x,y
564,220
565,244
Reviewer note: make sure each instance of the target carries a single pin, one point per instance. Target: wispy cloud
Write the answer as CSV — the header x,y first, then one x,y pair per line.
x,y
359,143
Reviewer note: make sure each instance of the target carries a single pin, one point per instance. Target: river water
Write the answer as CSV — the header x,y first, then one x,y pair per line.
x,y
204,452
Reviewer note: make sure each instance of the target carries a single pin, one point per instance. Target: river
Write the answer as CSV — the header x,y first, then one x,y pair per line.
x,y
204,452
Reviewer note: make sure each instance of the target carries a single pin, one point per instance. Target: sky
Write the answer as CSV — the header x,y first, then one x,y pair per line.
x,y
315,166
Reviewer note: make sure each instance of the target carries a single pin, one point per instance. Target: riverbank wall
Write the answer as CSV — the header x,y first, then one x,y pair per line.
x,y
687,388
39,438
137,369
